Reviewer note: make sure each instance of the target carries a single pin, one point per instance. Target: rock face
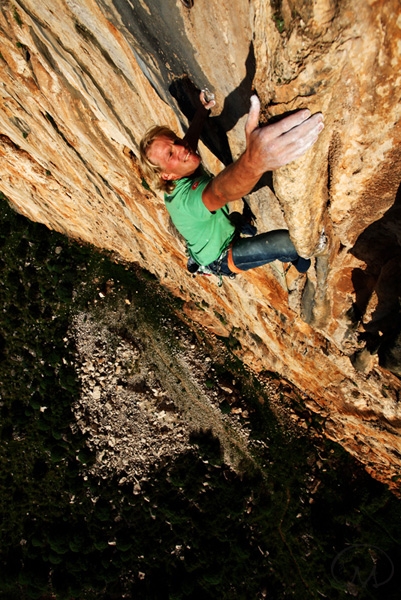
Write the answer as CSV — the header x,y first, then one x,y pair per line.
x,y
82,81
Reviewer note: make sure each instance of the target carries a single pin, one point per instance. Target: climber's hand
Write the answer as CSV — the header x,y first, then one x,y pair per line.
x,y
276,145
267,148
207,102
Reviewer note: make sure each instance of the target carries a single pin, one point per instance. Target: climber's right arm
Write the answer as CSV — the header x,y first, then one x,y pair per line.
x,y
267,148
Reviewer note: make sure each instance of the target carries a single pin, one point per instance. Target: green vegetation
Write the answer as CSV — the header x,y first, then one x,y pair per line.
x,y
279,22
309,523
17,17
276,6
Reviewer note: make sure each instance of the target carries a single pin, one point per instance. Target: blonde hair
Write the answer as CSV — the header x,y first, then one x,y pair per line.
x,y
151,171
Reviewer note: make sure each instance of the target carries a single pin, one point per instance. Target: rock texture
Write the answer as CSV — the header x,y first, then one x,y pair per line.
x,y
82,81
142,399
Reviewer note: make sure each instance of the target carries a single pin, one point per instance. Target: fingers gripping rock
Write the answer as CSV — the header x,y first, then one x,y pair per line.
x,y
252,122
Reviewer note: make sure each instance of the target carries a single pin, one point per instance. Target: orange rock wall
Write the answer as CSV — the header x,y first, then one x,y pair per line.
x,y
82,80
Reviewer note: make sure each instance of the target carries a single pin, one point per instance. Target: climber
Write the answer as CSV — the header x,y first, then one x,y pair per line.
x,y
197,201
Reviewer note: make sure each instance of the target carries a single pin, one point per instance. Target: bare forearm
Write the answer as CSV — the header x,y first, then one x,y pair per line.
x,y
268,148
195,129
237,180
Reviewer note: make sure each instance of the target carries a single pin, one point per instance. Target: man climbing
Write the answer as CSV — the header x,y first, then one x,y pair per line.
x,y
197,201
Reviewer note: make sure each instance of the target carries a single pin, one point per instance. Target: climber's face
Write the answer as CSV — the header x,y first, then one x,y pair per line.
x,y
174,156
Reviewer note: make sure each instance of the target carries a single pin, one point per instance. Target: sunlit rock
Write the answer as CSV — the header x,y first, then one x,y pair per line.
x,y
82,81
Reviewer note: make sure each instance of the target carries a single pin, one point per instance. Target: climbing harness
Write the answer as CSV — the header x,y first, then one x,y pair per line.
x,y
243,224
196,269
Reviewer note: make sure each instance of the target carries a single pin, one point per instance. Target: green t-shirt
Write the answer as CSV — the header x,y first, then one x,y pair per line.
x,y
207,234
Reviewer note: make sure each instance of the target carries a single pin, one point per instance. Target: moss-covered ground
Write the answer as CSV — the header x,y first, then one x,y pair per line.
x,y
307,523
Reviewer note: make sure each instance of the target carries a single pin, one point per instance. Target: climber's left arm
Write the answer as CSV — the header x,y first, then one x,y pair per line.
x,y
194,131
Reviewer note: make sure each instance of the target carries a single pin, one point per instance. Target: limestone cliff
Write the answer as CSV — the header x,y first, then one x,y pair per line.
x,y
81,80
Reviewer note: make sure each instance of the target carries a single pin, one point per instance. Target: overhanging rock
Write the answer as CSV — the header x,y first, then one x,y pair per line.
x,y
82,81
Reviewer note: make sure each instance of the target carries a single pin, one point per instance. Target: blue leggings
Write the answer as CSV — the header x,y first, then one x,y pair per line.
x,y
251,252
